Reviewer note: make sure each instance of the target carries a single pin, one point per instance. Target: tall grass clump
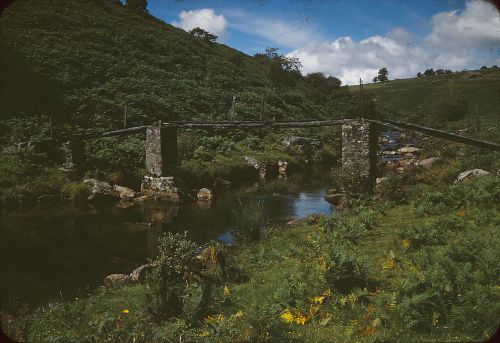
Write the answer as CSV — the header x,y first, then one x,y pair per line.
x,y
248,220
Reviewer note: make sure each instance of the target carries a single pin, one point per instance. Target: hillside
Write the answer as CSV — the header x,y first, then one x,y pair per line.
x,y
85,62
414,99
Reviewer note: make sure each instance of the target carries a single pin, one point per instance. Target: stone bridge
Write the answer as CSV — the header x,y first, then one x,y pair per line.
x,y
359,148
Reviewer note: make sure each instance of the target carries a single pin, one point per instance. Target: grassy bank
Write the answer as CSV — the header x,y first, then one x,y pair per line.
x,y
203,157
418,262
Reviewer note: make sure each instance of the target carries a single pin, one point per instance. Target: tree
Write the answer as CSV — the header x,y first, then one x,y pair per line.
x,y
382,75
375,79
429,72
200,33
282,70
494,67
419,74
484,67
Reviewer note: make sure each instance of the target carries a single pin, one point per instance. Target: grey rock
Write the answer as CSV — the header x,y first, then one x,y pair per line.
x,y
164,187
205,194
428,161
409,149
101,191
471,174
124,192
116,280
139,274
333,198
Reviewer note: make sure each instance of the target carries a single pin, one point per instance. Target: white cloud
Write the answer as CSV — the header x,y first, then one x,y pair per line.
x,y
204,18
289,34
458,40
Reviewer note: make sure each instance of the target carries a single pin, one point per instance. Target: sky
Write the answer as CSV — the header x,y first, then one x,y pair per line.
x,y
350,39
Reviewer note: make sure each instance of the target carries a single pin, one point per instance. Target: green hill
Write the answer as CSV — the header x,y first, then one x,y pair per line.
x,y
415,100
85,62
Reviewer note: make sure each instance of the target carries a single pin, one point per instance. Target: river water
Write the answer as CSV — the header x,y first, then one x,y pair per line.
x,y
63,251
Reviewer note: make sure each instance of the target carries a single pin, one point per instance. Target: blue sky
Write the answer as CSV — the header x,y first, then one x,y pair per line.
x,y
350,39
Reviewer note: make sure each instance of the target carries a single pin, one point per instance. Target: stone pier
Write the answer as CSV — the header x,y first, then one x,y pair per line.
x,y
359,156
161,150
161,163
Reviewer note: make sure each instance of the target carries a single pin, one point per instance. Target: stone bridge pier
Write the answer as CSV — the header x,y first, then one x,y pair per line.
x,y
359,156
161,163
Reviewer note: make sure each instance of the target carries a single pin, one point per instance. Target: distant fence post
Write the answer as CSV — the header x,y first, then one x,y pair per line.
x,y
161,150
359,153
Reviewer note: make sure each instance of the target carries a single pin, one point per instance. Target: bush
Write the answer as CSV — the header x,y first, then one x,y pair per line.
x,y
345,269
450,109
391,189
76,191
175,275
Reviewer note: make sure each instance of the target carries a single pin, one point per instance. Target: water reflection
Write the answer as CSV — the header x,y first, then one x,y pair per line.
x,y
47,250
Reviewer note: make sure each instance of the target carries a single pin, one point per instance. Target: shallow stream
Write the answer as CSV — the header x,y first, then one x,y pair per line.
x,y
63,251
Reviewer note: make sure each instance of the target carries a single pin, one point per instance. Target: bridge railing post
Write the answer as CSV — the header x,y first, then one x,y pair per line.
x,y
359,154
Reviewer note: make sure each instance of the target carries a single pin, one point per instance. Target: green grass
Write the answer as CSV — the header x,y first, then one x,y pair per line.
x,y
411,99
424,269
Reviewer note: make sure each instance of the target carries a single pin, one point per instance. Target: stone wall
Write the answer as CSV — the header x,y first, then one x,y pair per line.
x,y
359,153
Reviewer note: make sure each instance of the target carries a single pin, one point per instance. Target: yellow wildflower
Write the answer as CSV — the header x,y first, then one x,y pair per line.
x,y
126,311
238,314
318,299
300,319
287,316
352,298
461,213
227,292
388,264
214,319
406,243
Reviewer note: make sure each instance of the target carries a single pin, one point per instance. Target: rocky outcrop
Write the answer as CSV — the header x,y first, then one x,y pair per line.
x,y
163,187
282,165
333,196
101,192
428,161
139,274
409,149
205,194
471,174
116,280
125,193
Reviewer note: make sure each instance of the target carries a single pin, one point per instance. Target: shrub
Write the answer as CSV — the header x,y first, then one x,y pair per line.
x,y
76,191
345,269
248,220
391,189
350,227
176,273
449,109
421,235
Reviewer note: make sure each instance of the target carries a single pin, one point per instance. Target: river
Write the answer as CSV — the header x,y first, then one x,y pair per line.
x,y
64,251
